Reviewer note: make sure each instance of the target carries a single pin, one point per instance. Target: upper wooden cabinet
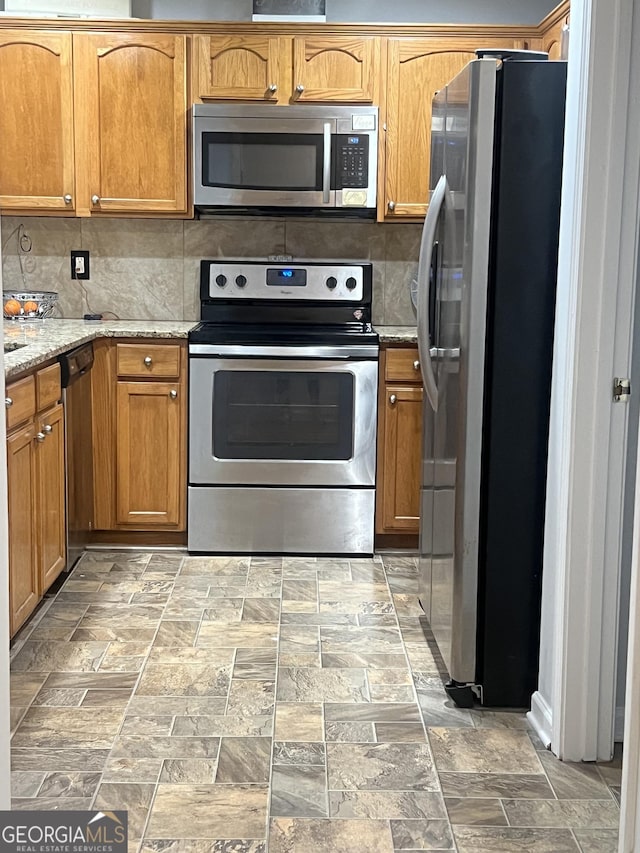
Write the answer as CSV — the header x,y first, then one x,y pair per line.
x,y
551,40
416,70
239,68
36,121
335,69
281,70
131,112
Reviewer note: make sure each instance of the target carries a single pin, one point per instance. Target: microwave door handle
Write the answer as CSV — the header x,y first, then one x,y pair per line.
x,y
326,166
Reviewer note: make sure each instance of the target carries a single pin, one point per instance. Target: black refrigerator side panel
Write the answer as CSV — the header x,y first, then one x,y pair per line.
x,y
524,257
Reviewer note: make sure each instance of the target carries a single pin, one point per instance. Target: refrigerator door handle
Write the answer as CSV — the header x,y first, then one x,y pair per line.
x,y
424,332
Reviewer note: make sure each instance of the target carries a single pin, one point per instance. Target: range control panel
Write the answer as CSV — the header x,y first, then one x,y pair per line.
x,y
320,282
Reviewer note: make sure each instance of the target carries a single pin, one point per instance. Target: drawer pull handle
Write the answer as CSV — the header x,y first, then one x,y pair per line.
x,y
47,429
416,365
68,199
148,361
393,399
95,199
273,88
392,206
40,437
173,394
299,88
8,402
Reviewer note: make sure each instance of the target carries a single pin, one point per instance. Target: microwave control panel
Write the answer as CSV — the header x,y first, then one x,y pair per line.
x,y
352,161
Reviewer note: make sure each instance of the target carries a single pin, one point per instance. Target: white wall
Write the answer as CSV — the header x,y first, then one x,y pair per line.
x,y
400,11
5,798
359,11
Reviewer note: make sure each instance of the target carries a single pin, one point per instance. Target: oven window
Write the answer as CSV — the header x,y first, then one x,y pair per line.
x,y
283,415
263,161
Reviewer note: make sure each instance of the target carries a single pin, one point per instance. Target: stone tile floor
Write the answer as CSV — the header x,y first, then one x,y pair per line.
x,y
289,705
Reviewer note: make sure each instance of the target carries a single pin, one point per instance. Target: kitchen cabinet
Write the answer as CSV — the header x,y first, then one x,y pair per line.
x,y
148,443
552,26
36,489
139,436
131,113
281,70
399,442
416,70
37,169
24,588
93,123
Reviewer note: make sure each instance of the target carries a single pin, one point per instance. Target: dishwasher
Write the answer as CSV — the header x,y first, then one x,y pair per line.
x,y
75,371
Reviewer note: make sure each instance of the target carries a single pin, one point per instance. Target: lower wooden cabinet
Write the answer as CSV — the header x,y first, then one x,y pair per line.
x,y
50,496
139,436
24,589
148,450
399,442
36,493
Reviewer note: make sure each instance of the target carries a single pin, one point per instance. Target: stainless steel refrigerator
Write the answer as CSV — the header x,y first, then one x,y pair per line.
x,y
486,299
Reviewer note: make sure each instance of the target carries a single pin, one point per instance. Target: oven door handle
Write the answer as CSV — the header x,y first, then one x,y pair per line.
x,y
304,352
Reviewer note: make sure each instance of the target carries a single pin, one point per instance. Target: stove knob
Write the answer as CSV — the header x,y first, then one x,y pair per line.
x,y
351,283
221,280
241,280
331,282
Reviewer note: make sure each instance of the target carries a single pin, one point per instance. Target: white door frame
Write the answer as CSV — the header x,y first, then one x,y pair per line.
x,y
630,812
573,709
5,776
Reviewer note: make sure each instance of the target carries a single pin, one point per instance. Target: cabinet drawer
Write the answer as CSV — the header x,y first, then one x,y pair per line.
x,y
20,401
143,361
402,365
48,390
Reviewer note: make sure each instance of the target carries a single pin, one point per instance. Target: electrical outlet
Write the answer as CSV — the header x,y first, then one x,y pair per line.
x,y
80,264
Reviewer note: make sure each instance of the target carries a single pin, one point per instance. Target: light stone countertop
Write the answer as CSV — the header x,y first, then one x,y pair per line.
x,y
397,334
45,339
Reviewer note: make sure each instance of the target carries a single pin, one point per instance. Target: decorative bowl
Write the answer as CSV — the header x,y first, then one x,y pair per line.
x,y
28,305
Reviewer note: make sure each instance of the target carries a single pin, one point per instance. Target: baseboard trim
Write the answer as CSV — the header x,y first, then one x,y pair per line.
x,y
540,717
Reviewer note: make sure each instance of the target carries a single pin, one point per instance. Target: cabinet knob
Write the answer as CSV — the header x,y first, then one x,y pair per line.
x,y
273,88
95,199
173,394
299,88
47,429
148,361
416,365
40,437
391,205
68,199
8,402
393,399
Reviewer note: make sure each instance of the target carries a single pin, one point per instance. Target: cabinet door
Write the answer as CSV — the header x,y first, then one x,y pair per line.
x,y
399,478
23,572
552,39
335,68
240,68
417,69
131,122
50,496
150,451
36,121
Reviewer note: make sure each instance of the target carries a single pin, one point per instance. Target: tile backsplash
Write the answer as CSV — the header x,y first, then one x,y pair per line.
x,y
148,269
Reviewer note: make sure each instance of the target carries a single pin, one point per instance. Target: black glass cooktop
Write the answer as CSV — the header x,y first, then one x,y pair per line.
x,y
295,335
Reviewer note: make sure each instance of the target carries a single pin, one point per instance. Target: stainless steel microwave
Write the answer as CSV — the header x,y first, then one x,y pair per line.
x,y
260,157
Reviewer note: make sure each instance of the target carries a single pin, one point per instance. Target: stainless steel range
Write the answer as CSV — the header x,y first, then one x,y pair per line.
x,y
283,377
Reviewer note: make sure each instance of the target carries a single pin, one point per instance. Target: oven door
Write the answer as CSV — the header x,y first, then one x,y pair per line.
x,y
282,421
267,162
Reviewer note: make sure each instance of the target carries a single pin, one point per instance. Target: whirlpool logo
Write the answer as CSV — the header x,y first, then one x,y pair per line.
x,y
63,832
